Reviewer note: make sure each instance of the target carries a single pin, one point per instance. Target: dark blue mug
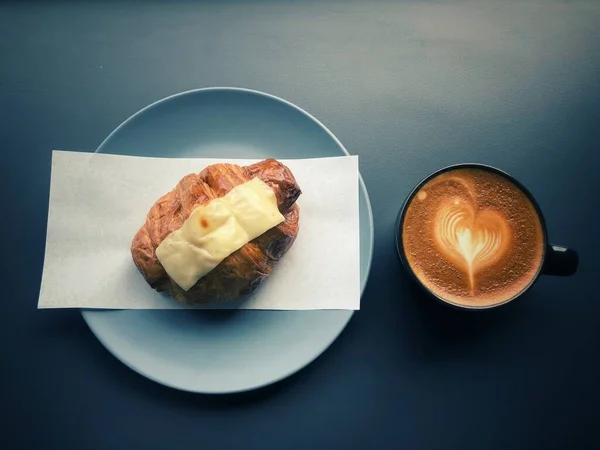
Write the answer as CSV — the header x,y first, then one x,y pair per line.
x,y
555,259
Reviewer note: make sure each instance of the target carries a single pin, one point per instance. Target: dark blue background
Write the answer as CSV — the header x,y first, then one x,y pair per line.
x,y
408,86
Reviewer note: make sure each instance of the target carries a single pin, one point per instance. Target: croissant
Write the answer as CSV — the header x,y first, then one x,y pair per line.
x,y
244,270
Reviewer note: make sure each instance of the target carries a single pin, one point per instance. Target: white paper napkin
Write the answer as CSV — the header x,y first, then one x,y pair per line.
x,y
99,201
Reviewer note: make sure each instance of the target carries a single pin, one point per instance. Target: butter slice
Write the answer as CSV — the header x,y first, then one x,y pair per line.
x,y
214,231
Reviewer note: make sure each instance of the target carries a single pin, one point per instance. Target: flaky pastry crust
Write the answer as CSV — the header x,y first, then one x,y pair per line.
x,y
244,270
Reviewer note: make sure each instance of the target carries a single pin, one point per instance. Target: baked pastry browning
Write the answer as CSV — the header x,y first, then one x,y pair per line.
x,y
244,270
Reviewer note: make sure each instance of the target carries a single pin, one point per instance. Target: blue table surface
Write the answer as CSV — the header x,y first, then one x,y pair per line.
x,y
409,87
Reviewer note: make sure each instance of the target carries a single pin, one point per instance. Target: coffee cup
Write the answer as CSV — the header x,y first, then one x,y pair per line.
x,y
474,237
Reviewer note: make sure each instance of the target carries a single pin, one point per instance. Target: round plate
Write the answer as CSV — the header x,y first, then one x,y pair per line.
x,y
224,351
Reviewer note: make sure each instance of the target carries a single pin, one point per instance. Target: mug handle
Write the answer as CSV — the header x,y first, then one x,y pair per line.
x,y
561,261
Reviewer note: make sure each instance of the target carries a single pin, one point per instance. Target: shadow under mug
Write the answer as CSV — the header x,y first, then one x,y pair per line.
x,y
556,259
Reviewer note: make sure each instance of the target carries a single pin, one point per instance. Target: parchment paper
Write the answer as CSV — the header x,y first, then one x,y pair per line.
x,y
98,202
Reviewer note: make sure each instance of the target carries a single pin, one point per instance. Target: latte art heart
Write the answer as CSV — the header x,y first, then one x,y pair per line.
x,y
472,237
470,241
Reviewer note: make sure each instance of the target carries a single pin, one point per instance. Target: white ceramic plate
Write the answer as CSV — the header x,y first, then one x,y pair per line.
x,y
224,351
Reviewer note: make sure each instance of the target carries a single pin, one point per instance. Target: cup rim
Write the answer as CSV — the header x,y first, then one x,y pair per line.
x,y
400,222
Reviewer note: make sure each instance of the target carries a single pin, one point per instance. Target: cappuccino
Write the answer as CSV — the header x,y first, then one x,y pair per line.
x,y
472,237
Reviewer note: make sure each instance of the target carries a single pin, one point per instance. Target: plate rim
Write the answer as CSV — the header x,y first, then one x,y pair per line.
x,y
86,313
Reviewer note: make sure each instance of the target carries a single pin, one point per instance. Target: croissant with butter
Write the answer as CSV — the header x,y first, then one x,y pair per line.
x,y
244,270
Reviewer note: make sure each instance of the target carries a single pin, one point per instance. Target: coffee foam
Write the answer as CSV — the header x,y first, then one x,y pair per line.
x,y
472,237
